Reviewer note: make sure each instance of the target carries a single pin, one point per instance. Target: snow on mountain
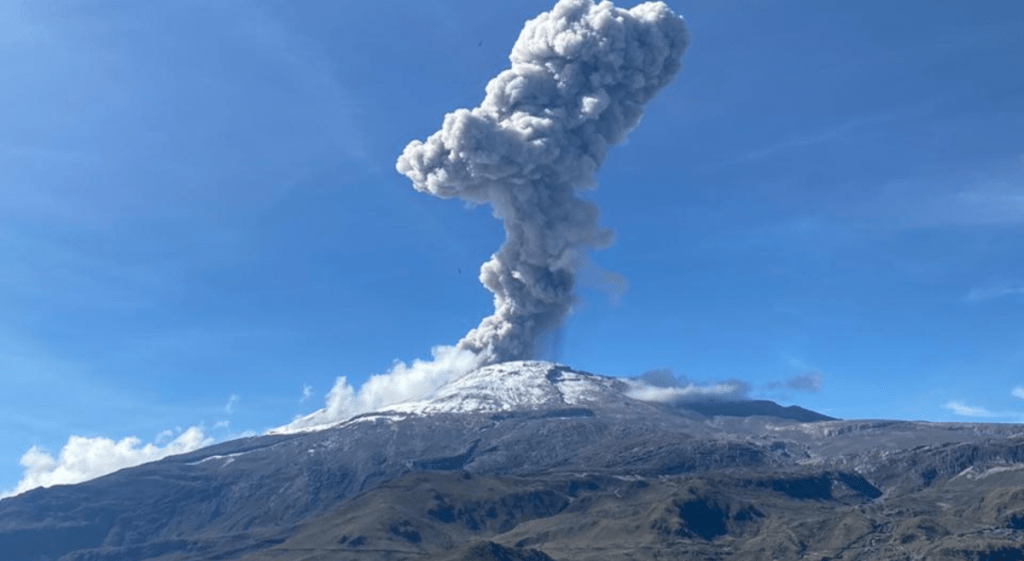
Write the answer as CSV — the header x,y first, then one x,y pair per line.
x,y
509,386
513,386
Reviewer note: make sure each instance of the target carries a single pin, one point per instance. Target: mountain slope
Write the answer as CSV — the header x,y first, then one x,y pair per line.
x,y
750,408
531,459
810,515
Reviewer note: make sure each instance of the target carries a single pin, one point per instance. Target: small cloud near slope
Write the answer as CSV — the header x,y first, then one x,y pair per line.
x,y
84,458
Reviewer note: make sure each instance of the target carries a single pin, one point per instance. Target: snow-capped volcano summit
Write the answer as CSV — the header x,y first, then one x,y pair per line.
x,y
523,385
516,385
534,385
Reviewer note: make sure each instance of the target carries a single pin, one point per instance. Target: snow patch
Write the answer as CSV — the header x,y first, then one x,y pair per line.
x,y
228,457
974,473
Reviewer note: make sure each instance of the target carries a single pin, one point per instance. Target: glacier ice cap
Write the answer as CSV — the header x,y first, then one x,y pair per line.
x,y
579,78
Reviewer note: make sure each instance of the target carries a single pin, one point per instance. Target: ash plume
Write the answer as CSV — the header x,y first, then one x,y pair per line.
x,y
579,79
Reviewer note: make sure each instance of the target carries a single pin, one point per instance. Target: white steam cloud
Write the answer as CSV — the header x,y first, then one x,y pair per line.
x,y
402,383
83,458
579,78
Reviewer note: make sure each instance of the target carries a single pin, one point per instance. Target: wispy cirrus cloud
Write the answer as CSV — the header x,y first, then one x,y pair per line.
x,y
232,403
994,291
1018,392
965,410
838,131
983,206
992,197
812,138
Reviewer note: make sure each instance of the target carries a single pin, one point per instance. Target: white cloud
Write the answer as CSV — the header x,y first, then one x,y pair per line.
x,y
981,207
690,392
233,400
967,410
991,197
403,383
812,138
307,392
993,291
663,386
1018,392
84,458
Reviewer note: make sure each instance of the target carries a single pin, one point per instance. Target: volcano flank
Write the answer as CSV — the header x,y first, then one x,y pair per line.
x,y
534,460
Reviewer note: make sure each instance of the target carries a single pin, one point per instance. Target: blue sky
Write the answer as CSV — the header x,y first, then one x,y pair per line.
x,y
201,224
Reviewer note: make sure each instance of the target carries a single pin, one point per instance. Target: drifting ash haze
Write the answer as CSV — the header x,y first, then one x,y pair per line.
x,y
579,79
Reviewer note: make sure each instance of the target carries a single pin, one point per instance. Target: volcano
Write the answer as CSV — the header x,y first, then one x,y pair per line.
x,y
535,460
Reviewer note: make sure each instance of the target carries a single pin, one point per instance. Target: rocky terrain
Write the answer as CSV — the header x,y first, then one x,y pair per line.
x,y
534,461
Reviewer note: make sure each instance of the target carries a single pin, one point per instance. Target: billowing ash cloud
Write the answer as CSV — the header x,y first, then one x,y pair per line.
x,y
580,76
579,79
